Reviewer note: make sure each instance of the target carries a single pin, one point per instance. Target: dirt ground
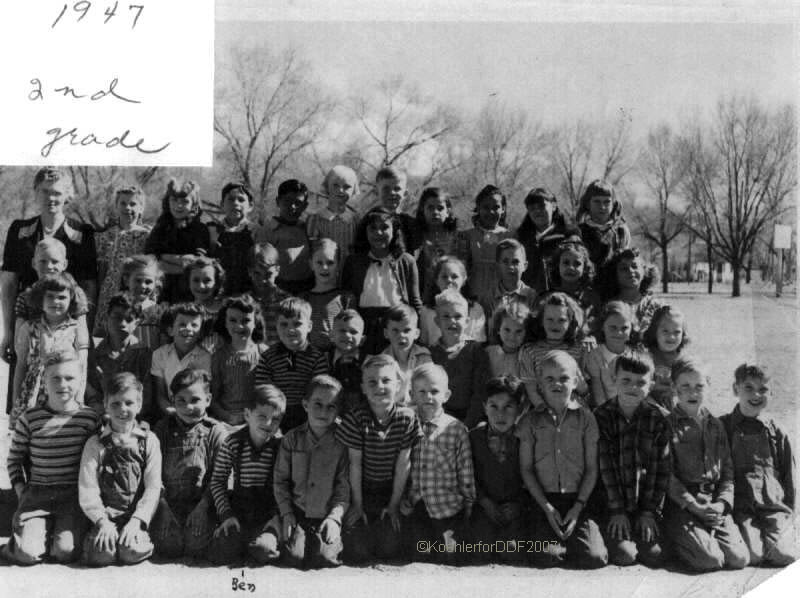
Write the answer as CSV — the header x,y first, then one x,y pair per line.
x,y
724,331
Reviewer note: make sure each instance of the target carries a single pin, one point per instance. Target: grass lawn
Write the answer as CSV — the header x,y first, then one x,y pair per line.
x,y
724,331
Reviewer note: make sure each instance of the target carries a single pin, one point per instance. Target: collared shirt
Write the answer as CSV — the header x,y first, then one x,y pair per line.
x,y
291,241
89,494
599,366
167,363
763,463
496,461
500,296
380,444
634,456
312,474
700,455
442,473
338,227
381,287
247,466
560,446
291,371
417,356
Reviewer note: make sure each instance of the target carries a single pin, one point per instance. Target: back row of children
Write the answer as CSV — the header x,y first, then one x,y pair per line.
x,y
227,339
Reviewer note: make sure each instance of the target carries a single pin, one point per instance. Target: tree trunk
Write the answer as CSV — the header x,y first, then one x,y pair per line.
x,y
709,257
664,269
689,277
737,283
748,269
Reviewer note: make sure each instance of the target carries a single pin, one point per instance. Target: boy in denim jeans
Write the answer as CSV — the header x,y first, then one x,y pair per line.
x,y
189,442
763,465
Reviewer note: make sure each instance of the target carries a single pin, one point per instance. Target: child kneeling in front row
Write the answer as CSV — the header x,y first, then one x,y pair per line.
x,y
558,459
247,513
43,465
439,502
635,463
184,520
311,481
120,480
499,515
379,435
764,501
697,516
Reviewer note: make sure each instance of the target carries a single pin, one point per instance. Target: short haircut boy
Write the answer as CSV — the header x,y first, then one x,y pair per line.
x,y
191,310
119,383
347,315
400,313
380,360
50,244
267,395
452,297
505,384
291,186
506,245
188,377
430,371
750,370
685,365
294,307
262,253
634,361
237,186
326,382
389,172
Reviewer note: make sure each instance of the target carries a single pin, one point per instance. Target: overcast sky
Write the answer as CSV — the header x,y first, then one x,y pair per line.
x,y
560,71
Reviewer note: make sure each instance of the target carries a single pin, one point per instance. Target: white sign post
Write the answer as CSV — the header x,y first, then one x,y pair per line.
x,y
782,240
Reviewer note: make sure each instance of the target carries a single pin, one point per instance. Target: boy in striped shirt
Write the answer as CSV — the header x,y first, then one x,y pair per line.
x,y
249,524
43,465
291,363
379,437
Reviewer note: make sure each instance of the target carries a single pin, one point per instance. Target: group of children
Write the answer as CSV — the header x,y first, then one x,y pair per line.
x,y
339,389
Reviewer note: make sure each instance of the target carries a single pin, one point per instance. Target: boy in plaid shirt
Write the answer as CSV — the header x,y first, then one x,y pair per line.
x,y
635,463
442,492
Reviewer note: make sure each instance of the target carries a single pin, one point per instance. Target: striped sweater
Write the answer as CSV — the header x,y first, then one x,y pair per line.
x,y
291,371
46,446
252,469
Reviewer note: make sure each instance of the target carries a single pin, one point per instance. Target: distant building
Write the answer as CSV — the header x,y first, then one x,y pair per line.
x,y
722,271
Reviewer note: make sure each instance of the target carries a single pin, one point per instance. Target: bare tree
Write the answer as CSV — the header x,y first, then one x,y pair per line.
x,y
267,112
662,167
583,151
572,154
741,173
400,127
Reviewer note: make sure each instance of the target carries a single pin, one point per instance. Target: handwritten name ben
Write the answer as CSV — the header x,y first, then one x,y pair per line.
x,y
73,136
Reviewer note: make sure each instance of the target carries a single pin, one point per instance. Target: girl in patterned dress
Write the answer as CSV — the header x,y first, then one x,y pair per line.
x,y
122,240
665,338
142,280
478,245
206,281
57,329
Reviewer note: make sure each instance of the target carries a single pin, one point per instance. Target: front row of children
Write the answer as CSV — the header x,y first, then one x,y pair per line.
x,y
541,484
